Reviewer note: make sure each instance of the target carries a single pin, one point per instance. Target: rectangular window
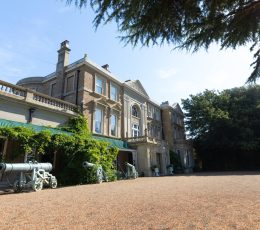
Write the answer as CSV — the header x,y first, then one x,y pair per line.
x,y
70,84
53,89
113,92
175,118
135,130
98,120
175,133
150,111
157,115
113,125
99,86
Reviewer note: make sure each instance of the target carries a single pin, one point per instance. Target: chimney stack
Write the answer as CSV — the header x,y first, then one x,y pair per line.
x,y
63,57
63,60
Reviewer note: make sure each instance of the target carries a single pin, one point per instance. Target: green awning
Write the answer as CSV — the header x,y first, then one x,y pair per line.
x,y
114,142
36,128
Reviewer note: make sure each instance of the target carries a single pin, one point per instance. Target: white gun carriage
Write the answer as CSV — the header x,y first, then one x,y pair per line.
x,y
32,175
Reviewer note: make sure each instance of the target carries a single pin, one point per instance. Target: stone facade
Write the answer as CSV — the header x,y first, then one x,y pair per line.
x,y
143,128
114,109
27,106
22,106
174,132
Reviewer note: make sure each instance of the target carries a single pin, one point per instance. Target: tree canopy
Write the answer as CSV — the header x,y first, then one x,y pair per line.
x,y
225,127
187,24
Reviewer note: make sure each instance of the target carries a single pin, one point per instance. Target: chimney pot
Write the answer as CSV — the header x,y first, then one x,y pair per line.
x,y
64,44
106,67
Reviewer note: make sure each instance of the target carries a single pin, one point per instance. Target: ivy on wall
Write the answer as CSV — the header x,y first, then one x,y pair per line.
x,y
74,149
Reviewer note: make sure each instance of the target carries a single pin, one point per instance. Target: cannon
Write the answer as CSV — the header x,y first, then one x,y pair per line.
x,y
32,175
100,173
131,172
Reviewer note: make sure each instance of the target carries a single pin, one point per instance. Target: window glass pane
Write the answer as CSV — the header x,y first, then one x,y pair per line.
x,y
135,130
98,121
99,86
113,93
134,111
113,125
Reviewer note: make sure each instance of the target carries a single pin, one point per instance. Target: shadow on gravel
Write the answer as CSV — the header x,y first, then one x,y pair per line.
x,y
10,191
225,173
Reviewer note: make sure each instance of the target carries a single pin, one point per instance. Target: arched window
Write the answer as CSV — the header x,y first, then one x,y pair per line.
x,y
135,111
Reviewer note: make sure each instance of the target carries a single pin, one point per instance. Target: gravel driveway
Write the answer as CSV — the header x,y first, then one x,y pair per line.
x,y
199,201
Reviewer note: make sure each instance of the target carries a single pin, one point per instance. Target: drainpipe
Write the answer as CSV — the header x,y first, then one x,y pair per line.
x,y
77,87
31,111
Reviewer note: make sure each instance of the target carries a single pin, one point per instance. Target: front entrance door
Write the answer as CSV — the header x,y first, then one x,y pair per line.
x,y
122,158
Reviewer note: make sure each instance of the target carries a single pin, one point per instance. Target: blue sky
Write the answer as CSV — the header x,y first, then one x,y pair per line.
x,y
31,33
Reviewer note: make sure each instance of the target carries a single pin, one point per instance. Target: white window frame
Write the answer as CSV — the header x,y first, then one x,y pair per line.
x,y
135,130
116,88
116,124
101,122
103,84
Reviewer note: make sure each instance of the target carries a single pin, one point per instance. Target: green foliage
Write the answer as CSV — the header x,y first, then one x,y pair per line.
x,y
205,109
186,24
75,149
26,137
80,149
225,127
175,159
77,125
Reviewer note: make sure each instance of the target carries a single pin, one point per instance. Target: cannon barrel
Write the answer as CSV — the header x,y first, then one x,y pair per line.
x,y
86,164
128,164
24,167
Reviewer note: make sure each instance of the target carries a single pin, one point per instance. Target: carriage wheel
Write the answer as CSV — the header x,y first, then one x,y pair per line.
x,y
37,185
17,186
53,182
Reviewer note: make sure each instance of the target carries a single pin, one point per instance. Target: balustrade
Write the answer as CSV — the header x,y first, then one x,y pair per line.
x,y
144,139
36,97
12,89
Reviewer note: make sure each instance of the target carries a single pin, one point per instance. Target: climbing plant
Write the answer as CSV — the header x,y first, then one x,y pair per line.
x,y
75,147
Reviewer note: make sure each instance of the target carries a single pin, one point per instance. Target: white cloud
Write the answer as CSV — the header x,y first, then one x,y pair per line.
x,y
167,73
